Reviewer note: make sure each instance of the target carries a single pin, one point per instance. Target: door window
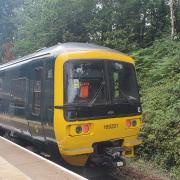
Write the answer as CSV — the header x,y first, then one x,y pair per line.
x,y
37,91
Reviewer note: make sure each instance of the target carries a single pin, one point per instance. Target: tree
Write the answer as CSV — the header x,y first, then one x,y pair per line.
x,y
120,24
172,6
46,23
7,26
178,17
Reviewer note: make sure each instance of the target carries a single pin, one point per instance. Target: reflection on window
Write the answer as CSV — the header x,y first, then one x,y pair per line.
x,y
18,92
116,84
123,81
36,103
1,82
84,81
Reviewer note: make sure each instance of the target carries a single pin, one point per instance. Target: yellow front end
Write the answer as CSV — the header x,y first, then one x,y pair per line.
x,y
75,147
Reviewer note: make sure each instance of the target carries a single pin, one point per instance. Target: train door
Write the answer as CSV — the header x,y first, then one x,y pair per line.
x,y
37,104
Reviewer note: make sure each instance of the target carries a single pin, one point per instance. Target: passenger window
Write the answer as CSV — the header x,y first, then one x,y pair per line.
x,y
1,82
19,92
37,89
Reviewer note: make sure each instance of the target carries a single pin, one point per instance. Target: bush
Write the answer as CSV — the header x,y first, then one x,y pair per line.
x,y
158,70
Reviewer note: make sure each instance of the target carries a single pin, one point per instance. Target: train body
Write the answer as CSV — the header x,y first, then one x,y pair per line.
x,y
79,101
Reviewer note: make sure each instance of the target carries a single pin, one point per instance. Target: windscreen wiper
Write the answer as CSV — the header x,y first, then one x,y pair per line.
x,y
80,106
96,94
72,106
129,98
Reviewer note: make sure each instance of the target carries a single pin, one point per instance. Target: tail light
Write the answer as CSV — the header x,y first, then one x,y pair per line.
x,y
134,123
81,129
131,123
85,128
128,123
78,129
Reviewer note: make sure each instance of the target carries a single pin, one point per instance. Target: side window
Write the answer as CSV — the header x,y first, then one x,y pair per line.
x,y
19,92
1,84
37,90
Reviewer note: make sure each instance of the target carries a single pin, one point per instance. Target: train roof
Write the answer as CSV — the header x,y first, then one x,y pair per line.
x,y
59,49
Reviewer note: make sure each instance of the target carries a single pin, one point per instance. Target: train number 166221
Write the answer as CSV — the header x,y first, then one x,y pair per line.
x,y
111,126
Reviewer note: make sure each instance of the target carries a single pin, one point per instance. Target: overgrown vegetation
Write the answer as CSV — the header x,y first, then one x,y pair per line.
x,y
125,25
159,77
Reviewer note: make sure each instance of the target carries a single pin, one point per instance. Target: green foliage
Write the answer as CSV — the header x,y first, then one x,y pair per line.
x,y
120,24
159,76
124,25
46,23
7,26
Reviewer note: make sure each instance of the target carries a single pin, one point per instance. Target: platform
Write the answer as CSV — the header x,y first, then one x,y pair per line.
x,y
18,163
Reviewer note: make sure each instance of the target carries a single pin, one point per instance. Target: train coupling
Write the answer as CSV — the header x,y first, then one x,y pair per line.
x,y
114,154
111,157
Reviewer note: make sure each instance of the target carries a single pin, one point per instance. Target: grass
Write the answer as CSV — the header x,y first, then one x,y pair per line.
x,y
149,169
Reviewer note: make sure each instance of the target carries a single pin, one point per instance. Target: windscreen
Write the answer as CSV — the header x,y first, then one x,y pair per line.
x,y
84,80
100,89
123,81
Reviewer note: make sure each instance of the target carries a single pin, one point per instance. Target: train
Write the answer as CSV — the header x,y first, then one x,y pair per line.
x,y
77,101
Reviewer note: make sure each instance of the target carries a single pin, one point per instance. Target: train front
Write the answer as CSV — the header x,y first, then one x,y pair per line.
x,y
97,114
